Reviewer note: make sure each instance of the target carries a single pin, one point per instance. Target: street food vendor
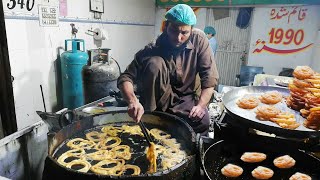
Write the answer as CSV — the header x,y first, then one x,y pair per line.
x,y
165,72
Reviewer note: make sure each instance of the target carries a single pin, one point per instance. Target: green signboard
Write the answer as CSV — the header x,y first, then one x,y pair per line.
x,y
193,2
206,3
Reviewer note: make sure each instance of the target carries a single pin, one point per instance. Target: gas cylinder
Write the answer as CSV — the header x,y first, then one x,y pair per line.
x,y
100,75
72,62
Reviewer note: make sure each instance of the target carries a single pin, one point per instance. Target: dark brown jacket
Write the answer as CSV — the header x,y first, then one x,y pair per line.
x,y
196,57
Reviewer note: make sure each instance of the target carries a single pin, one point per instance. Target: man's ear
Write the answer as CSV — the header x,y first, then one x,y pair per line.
x,y
166,24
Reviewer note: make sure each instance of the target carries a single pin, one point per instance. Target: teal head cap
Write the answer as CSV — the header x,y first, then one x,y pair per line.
x,y
181,13
209,30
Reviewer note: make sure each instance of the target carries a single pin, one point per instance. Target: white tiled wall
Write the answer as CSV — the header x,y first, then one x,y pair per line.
x,y
33,49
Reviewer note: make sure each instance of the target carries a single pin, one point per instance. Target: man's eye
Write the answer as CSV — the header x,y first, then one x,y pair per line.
x,y
175,32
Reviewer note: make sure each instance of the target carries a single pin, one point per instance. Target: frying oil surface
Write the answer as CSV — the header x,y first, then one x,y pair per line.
x,y
118,150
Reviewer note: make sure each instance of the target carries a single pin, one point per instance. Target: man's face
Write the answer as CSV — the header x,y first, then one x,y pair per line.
x,y
209,36
178,33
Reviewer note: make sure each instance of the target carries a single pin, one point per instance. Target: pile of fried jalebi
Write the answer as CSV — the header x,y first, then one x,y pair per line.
x,y
286,120
303,89
272,97
283,119
102,152
248,102
313,119
267,112
251,102
305,95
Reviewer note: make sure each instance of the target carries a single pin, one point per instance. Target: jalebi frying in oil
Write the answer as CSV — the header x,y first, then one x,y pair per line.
x,y
284,162
253,157
262,173
300,176
106,148
232,171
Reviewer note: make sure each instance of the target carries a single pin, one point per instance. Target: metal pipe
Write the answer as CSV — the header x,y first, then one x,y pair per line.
x,y
44,103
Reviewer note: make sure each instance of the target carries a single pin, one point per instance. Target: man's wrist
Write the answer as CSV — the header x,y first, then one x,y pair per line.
x,y
201,104
132,100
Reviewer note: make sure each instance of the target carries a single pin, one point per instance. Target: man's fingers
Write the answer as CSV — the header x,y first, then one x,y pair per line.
x,y
202,114
191,112
135,112
139,115
199,117
196,112
132,112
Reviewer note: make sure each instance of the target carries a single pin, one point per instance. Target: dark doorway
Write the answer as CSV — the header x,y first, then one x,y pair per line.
x,y
7,109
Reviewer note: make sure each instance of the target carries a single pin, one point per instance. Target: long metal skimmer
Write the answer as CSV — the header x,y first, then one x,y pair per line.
x,y
145,132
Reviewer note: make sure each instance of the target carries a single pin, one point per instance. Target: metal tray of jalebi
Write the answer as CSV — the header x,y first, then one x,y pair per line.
x,y
248,116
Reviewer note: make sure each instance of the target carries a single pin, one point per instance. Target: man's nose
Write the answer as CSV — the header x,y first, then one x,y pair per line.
x,y
180,37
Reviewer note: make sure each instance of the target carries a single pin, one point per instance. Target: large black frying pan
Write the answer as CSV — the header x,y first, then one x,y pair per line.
x,y
176,126
222,152
248,117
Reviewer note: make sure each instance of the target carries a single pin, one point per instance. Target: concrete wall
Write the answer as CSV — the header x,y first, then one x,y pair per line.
x,y
33,49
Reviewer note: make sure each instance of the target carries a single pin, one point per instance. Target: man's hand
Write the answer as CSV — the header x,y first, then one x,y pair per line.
x,y
197,113
135,110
